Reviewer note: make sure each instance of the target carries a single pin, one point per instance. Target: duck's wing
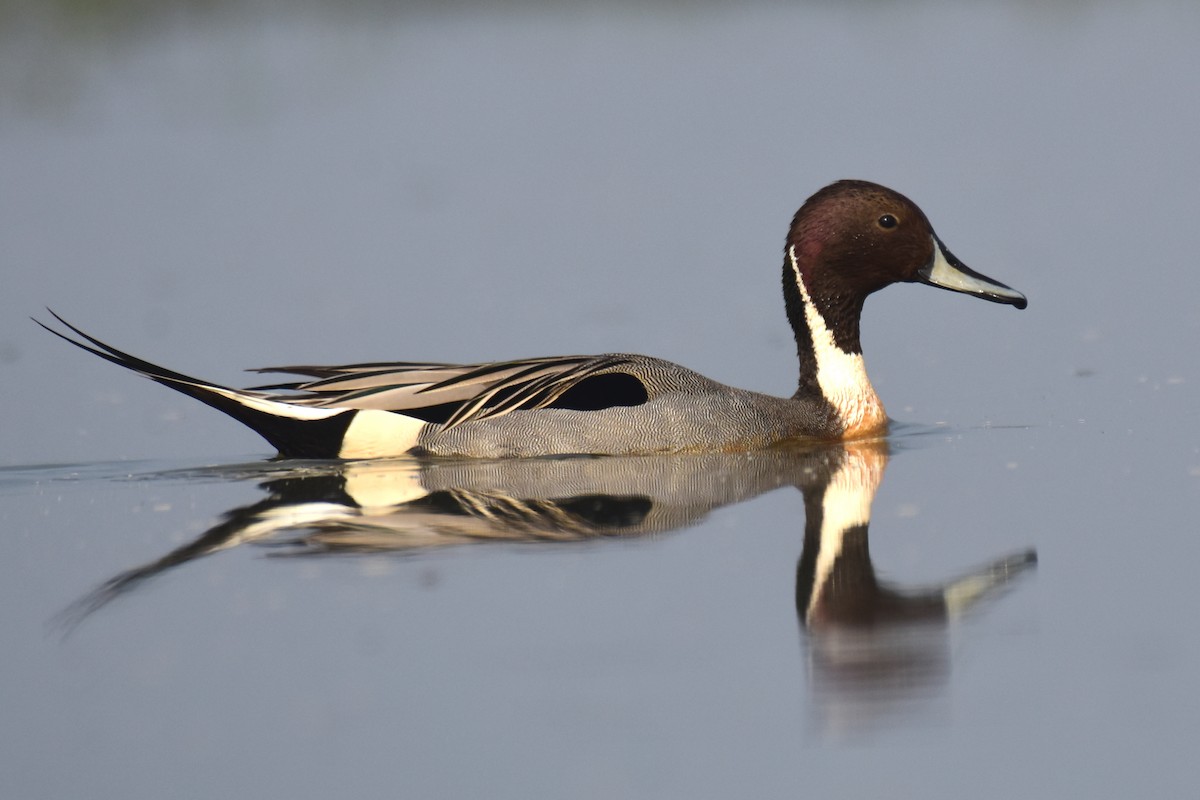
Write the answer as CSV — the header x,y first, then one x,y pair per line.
x,y
442,394
452,394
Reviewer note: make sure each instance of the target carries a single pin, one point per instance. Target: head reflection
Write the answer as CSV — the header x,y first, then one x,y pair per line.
x,y
875,649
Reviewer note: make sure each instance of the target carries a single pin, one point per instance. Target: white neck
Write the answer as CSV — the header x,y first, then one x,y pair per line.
x,y
842,376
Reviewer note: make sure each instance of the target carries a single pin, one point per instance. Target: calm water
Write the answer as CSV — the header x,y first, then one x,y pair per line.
x,y
220,188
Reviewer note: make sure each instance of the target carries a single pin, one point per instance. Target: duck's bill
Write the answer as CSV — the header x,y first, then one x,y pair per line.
x,y
947,272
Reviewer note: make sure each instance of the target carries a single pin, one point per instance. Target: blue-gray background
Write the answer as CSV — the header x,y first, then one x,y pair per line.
x,y
222,186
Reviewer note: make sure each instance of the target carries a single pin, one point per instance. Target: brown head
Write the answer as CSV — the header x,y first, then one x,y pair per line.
x,y
853,238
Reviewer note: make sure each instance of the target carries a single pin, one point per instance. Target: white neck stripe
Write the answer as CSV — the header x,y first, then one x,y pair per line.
x,y
842,376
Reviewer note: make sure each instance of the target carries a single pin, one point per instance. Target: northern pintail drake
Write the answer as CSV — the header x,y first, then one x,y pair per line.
x,y
848,240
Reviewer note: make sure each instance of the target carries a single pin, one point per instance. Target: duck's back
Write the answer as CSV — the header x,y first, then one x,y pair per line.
x,y
678,410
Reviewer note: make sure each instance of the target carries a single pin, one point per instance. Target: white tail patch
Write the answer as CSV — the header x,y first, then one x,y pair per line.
x,y
380,434
842,376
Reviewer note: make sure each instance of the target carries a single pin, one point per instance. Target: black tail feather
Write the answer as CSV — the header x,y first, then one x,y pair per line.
x,y
293,438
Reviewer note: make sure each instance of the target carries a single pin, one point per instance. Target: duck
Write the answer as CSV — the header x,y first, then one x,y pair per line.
x,y
847,241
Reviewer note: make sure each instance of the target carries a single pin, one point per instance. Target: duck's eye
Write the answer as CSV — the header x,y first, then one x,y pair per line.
x,y
887,221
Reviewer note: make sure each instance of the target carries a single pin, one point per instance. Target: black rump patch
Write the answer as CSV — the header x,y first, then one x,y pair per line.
x,y
603,391
438,414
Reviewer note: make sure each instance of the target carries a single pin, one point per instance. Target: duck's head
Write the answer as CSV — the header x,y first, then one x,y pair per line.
x,y
848,240
853,238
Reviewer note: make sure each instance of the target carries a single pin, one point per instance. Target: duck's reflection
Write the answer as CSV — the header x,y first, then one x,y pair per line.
x,y
404,506
870,644
873,647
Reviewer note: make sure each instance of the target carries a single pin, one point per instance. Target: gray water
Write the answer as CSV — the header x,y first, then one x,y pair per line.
x,y
222,186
